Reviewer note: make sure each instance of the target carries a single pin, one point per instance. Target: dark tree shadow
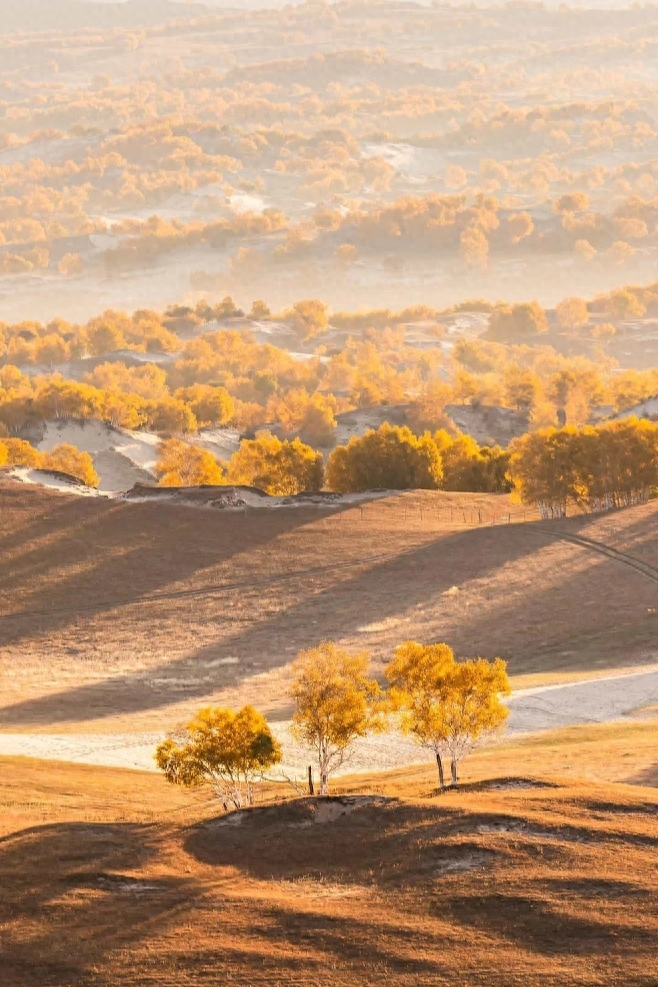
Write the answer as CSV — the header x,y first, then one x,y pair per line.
x,y
378,590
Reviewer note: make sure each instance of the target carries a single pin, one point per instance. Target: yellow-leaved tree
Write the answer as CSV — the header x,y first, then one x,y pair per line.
x,y
67,459
210,405
18,452
278,468
223,748
309,317
446,705
391,457
183,465
595,468
335,702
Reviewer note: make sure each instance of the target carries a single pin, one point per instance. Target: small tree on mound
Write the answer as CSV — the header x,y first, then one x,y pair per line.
x,y
335,702
183,465
225,749
446,705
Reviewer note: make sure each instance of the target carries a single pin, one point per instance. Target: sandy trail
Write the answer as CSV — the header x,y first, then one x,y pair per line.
x,y
601,700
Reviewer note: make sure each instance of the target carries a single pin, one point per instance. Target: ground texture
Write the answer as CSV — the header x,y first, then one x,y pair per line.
x,y
113,878
118,616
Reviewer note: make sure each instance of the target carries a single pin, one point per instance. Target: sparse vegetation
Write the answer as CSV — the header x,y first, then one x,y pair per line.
x,y
302,199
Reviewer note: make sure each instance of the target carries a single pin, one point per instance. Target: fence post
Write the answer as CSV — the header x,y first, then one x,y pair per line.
x,y
310,780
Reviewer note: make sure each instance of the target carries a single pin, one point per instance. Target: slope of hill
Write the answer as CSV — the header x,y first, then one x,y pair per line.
x,y
513,880
129,615
122,458
488,424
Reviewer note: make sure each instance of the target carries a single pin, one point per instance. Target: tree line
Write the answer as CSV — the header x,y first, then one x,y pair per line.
x,y
594,468
226,377
390,457
446,705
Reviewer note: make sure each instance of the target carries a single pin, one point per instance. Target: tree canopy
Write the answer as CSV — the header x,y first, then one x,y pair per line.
x,y
391,458
226,749
182,465
334,703
612,465
279,468
446,705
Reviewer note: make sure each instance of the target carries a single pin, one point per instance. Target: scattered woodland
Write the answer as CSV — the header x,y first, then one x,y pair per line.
x,y
362,246
446,705
188,369
365,148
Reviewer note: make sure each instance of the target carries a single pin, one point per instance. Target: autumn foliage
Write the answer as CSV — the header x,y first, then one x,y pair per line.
x,y
183,465
446,705
391,458
278,468
334,703
225,749
613,465
63,458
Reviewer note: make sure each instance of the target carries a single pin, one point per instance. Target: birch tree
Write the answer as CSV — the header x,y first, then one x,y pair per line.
x,y
225,749
335,702
447,706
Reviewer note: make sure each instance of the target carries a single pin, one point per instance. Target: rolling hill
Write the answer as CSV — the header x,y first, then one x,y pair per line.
x,y
532,879
77,15
121,615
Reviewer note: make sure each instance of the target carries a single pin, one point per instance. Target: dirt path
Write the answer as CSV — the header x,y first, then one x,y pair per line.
x,y
602,549
535,710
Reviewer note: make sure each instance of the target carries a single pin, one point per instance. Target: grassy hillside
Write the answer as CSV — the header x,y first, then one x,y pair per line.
x,y
130,614
114,878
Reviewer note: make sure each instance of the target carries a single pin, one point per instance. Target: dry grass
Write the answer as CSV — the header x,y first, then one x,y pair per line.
x,y
127,616
113,878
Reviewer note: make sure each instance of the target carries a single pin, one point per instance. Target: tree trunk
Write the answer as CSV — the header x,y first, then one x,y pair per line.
x,y
310,779
453,768
439,764
324,784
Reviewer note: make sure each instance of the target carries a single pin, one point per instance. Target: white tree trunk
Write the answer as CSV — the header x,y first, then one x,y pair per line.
x,y
324,771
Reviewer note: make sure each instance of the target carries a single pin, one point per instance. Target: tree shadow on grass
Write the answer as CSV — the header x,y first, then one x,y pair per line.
x,y
368,840
334,600
79,558
378,590
540,927
68,886
447,858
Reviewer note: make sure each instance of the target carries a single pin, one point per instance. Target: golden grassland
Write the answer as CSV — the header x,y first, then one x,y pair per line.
x,y
540,869
122,616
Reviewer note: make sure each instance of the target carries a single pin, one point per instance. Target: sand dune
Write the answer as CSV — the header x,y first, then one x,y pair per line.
x,y
122,457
